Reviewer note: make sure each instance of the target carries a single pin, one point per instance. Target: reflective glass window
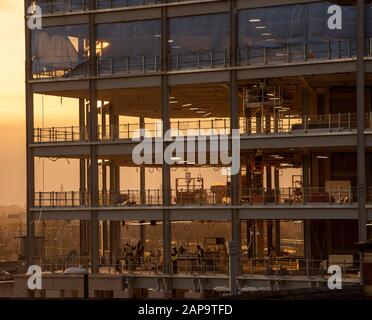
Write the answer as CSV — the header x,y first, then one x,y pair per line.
x,y
199,41
106,4
368,29
297,33
60,6
128,47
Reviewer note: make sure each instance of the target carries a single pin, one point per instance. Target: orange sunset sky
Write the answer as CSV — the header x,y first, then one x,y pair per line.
x,y
12,135
12,114
57,113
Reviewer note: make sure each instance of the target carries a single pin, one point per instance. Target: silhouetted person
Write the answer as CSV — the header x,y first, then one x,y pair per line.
x,y
117,265
182,250
128,256
174,258
200,256
140,253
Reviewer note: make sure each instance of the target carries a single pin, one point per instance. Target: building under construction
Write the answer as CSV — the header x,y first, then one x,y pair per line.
x,y
294,77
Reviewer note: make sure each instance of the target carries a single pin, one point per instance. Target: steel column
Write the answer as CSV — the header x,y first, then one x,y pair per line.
x,y
306,184
269,223
105,200
30,175
93,126
82,189
277,236
143,197
235,260
115,234
166,184
360,121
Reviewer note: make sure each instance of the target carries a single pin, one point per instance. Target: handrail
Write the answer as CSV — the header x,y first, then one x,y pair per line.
x,y
204,197
61,134
280,123
282,53
212,263
289,52
149,197
68,70
301,195
62,199
128,64
250,126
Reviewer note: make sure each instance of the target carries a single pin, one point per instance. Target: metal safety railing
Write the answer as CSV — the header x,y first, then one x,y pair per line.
x,y
62,199
289,266
278,53
297,52
154,130
128,64
218,196
289,196
302,124
131,198
211,263
58,70
191,60
59,263
61,134
199,59
277,124
200,197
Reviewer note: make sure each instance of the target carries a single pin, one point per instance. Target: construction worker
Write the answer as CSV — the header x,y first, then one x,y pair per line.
x,y
117,265
140,253
182,250
200,256
270,262
128,256
174,258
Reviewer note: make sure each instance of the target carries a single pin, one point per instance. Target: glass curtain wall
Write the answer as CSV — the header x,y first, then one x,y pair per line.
x,y
129,47
199,41
105,4
294,33
61,6
368,29
271,35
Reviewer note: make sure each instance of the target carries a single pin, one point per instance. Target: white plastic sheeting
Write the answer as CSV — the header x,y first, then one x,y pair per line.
x,y
59,48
